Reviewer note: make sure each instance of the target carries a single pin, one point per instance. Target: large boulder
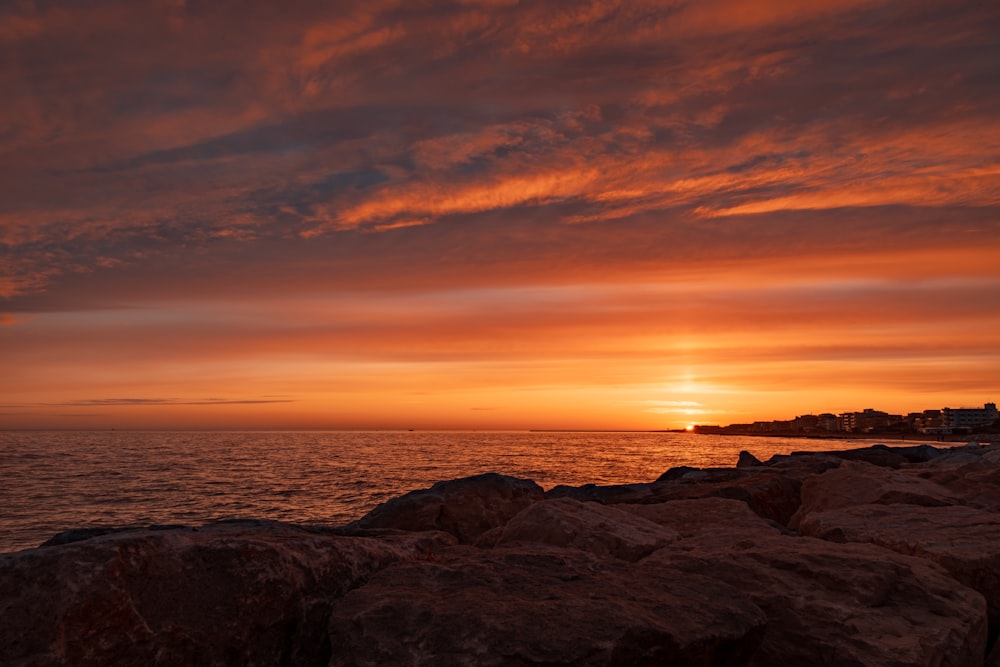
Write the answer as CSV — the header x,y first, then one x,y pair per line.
x,y
855,605
804,463
919,453
691,475
723,518
599,529
973,478
772,495
542,606
963,540
826,604
232,593
466,507
862,484
879,455
607,494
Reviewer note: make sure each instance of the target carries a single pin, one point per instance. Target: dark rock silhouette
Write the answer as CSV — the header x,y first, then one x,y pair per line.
x,y
772,495
466,507
747,460
801,560
879,455
607,495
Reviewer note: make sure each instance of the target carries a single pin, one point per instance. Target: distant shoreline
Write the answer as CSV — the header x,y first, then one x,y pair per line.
x,y
896,437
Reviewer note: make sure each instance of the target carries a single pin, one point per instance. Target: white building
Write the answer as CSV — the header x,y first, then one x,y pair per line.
x,y
969,417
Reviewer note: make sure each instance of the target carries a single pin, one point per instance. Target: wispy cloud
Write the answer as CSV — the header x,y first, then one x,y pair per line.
x,y
105,402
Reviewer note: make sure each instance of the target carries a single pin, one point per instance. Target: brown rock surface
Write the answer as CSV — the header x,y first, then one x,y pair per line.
x,y
840,604
973,479
466,507
772,495
879,455
963,540
825,605
608,494
723,517
863,484
542,606
592,527
232,593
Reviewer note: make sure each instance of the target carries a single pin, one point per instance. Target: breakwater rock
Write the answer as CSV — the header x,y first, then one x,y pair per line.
x,y
876,556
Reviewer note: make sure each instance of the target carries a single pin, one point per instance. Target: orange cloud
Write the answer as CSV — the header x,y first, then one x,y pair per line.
x,y
439,201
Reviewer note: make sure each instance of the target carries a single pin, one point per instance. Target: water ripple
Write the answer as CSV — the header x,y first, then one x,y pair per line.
x,y
52,481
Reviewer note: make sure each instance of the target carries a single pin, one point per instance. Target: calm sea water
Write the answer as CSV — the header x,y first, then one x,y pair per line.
x,y
52,481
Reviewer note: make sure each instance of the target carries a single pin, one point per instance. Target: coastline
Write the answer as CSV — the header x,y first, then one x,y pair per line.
x,y
870,437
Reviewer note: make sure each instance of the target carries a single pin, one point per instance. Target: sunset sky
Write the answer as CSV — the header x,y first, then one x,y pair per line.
x,y
497,213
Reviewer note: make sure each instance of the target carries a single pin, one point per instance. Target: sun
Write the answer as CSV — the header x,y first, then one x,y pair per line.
x,y
689,428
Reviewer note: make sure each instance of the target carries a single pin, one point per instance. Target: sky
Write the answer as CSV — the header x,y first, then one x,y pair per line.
x,y
495,214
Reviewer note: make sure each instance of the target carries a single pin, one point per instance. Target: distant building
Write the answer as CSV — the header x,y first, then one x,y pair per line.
x,y
867,421
829,422
939,422
805,423
847,421
927,419
969,417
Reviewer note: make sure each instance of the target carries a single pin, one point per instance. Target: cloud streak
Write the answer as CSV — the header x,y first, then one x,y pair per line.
x,y
105,402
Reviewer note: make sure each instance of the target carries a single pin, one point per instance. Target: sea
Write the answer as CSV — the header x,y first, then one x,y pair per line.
x,y
52,481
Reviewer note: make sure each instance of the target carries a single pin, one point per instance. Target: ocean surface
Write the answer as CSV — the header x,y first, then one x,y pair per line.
x,y
53,481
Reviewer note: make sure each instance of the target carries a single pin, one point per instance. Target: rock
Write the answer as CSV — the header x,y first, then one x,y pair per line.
x,y
542,606
748,460
607,495
862,484
879,455
954,458
591,527
772,495
238,593
676,473
78,534
728,519
918,453
698,474
963,540
973,480
466,507
840,604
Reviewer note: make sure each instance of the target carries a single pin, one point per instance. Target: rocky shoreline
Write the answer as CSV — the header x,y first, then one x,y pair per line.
x,y
873,556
